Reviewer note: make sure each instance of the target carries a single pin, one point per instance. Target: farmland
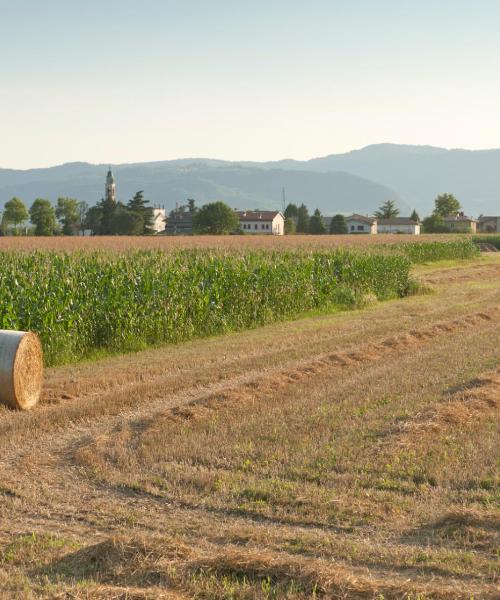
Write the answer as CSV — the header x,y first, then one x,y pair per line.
x,y
224,242
335,455
83,302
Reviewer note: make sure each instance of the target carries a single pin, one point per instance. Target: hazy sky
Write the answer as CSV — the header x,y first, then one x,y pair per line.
x,y
128,80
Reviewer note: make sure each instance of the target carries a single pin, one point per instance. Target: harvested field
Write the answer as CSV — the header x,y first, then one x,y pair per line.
x,y
226,242
339,456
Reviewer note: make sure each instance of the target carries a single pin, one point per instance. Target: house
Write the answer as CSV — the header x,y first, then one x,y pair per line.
x,y
460,223
158,220
361,224
398,225
488,224
180,221
267,222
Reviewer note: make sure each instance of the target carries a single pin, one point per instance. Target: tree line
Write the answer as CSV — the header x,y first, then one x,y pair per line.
x,y
71,216
298,219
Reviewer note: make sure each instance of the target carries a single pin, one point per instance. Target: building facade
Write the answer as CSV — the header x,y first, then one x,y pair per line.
x,y
398,225
488,224
158,220
266,222
180,221
110,187
361,224
460,224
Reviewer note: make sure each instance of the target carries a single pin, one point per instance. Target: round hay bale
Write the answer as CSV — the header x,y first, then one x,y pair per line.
x,y
21,369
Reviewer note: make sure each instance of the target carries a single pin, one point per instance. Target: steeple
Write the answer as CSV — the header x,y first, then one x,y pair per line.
x,y
110,187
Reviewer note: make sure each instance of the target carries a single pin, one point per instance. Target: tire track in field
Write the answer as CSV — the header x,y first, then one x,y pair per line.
x,y
148,400
49,449
459,274
267,383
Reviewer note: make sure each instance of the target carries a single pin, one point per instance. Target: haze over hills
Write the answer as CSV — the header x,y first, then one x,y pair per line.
x,y
356,181
171,182
420,173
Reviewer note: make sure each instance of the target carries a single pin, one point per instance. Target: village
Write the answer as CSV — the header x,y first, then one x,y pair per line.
x,y
112,217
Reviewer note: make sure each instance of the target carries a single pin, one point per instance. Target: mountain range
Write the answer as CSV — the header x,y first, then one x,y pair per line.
x,y
357,181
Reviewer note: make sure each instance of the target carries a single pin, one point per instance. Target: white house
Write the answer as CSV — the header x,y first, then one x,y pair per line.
x,y
267,222
158,220
460,223
361,224
398,225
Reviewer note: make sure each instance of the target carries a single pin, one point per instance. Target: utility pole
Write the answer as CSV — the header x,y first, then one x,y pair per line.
x,y
283,194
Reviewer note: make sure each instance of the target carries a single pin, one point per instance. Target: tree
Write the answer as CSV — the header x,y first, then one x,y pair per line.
x,y
93,220
388,210
414,216
191,205
291,214
107,207
291,211
43,217
434,224
138,205
446,204
126,222
215,218
316,224
15,212
338,226
290,226
68,215
302,219
83,209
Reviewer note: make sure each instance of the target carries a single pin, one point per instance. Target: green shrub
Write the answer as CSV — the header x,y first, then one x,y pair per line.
x,y
494,240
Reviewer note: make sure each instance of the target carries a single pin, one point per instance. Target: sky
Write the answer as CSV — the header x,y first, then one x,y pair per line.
x,y
112,81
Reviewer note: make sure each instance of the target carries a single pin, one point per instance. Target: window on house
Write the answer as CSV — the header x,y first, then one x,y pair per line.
x,y
256,226
361,227
267,225
352,227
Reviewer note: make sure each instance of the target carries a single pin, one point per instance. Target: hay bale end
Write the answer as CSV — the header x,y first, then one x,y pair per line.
x,y
21,369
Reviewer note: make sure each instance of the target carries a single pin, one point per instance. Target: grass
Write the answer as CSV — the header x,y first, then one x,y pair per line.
x,y
492,239
342,456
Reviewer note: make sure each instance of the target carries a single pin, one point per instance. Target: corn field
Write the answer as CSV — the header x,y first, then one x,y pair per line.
x,y
81,303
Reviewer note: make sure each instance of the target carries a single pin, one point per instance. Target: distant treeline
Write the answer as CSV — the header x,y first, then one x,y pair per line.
x,y
298,219
72,217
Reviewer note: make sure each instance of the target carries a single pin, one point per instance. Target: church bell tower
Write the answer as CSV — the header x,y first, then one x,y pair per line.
x,y
110,187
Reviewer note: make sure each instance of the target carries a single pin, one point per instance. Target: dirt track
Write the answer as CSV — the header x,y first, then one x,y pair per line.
x,y
166,471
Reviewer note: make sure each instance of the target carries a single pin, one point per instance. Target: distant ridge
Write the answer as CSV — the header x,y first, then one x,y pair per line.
x,y
166,183
419,173
357,180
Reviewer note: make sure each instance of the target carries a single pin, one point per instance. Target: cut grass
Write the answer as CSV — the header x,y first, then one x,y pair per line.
x,y
341,456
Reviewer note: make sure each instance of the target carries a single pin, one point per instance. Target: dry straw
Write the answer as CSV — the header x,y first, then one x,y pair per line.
x,y
21,369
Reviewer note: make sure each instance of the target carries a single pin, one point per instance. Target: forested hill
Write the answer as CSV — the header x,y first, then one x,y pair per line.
x,y
356,181
166,183
420,173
